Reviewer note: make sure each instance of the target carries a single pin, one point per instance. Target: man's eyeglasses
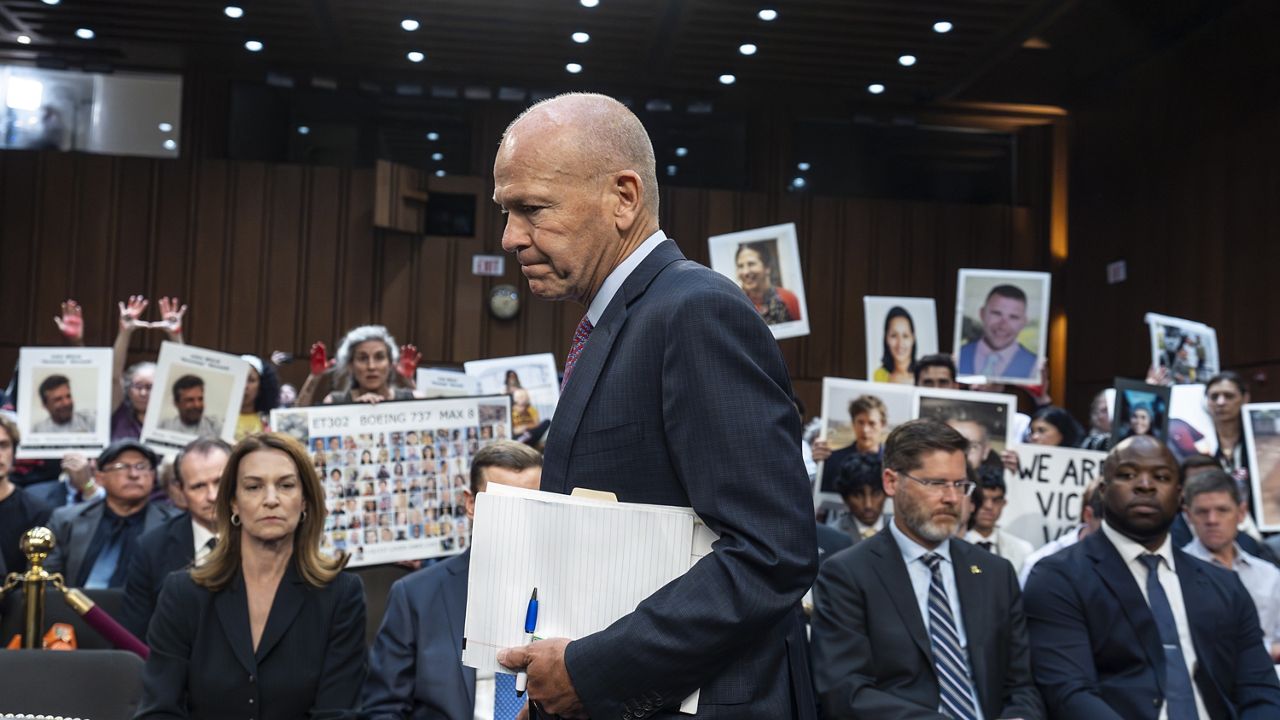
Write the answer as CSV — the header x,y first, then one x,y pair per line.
x,y
117,467
963,487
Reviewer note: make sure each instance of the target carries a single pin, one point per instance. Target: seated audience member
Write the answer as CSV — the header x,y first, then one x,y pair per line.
x,y
936,371
188,397
861,486
1125,625
1090,521
416,666
261,396
268,626
55,396
1051,425
984,530
1181,530
1215,509
19,510
96,540
184,539
1099,436
912,622
867,416
364,369
73,484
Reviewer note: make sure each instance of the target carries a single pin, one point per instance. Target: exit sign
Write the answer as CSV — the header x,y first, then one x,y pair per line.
x,y
488,265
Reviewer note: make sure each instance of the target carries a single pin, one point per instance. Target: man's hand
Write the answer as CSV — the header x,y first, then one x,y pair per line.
x,y
71,322
78,471
320,363
409,358
821,450
1159,376
171,312
549,683
130,314
371,398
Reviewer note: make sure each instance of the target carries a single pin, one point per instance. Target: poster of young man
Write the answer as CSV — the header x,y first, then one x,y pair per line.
x,y
900,330
197,393
987,420
396,474
1043,497
1002,325
1187,349
1262,438
64,400
765,263
857,416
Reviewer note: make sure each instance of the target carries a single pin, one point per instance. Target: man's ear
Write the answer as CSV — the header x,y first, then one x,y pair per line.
x,y
628,190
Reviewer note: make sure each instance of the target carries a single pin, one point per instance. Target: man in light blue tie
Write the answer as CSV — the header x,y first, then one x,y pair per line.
x,y
1124,625
998,354
960,649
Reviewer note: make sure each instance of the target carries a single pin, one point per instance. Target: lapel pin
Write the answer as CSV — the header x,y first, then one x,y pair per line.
x,y
975,570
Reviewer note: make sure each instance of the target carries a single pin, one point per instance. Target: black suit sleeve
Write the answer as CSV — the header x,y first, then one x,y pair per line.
x,y
734,440
139,600
164,679
344,666
392,659
1021,698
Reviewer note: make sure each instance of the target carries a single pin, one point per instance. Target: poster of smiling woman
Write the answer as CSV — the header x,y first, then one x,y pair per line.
x,y
765,263
1002,325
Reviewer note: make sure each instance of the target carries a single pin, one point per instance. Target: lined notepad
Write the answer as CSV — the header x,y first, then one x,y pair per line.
x,y
592,561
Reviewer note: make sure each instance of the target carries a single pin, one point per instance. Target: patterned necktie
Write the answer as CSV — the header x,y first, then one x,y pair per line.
x,y
505,703
579,341
1180,699
987,545
868,533
955,689
993,360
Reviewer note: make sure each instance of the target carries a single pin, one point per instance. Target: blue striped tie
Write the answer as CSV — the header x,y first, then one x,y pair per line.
x,y
955,689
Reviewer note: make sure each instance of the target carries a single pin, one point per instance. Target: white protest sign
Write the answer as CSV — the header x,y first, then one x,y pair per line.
x,y
1044,496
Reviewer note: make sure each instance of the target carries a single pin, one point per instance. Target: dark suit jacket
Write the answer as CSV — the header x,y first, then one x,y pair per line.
x,y
415,666
310,660
1096,649
681,397
871,651
74,527
160,551
830,542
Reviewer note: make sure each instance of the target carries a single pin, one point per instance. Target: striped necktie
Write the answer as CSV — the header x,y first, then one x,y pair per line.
x,y
955,688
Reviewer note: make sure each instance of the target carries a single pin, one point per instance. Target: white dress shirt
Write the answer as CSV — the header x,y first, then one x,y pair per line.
x,y
1130,551
922,577
200,538
1260,578
1010,547
613,283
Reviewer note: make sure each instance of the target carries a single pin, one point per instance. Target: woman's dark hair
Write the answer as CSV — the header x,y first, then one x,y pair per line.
x,y
1228,376
1072,432
886,359
766,259
268,388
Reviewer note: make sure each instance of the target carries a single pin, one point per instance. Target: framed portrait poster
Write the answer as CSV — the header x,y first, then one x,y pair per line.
x,y
197,393
64,401
1262,438
1187,349
987,420
1140,409
900,330
765,263
857,416
1002,326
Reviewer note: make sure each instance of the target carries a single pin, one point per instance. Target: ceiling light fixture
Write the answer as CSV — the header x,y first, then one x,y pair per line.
x,y
798,183
415,56
747,48
409,24
682,151
942,26
165,127
875,88
253,45
304,130
589,3
52,2
906,60
580,37
768,14
727,79
671,169
235,12
440,173
574,68
170,145
85,33
433,136
802,167
437,156
24,39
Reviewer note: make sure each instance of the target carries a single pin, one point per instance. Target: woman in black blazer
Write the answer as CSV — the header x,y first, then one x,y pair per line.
x,y
268,627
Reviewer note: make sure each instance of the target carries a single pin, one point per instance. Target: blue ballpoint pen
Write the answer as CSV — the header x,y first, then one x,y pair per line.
x,y
530,624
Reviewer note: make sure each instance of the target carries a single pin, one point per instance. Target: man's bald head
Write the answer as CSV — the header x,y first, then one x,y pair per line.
x,y
1144,445
595,133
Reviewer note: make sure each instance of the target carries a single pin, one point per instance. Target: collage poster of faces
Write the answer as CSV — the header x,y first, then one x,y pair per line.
x,y
765,263
1262,437
197,394
900,330
1002,326
64,400
396,474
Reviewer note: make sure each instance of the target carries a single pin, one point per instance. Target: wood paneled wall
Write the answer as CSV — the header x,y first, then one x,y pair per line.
x,y
277,256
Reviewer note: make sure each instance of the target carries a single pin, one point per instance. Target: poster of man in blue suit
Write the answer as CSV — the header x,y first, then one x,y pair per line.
x,y
1003,341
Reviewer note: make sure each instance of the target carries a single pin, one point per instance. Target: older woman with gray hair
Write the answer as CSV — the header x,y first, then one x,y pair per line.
x,y
368,367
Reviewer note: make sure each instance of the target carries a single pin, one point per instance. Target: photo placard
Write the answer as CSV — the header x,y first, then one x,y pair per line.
x,y
845,432
197,393
530,380
396,474
436,383
64,401
1002,326
765,264
900,331
1262,438
1186,348
1140,409
987,420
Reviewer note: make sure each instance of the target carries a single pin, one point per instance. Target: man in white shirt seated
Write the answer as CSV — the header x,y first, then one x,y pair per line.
x,y
1090,521
1215,509
984,531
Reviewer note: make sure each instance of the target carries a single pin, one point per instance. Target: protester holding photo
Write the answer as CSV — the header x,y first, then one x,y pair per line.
x,y
758,276
1226,394
131,394
897,363
261,396
368,368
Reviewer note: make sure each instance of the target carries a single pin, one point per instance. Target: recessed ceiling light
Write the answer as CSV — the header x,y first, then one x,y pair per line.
x,y
415,56
84,33
235,12
433,136
409,24
52,2
437,156
802,167
875,88
589,3
304,130
671,169
768,14
727,79
906,60
580,37
747,48
166,127
440,173
574,68
253,45
24,39
170,145
942,26
682,151
798,182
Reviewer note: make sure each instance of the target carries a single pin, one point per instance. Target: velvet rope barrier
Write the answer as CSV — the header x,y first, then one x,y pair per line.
x,y
97,618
